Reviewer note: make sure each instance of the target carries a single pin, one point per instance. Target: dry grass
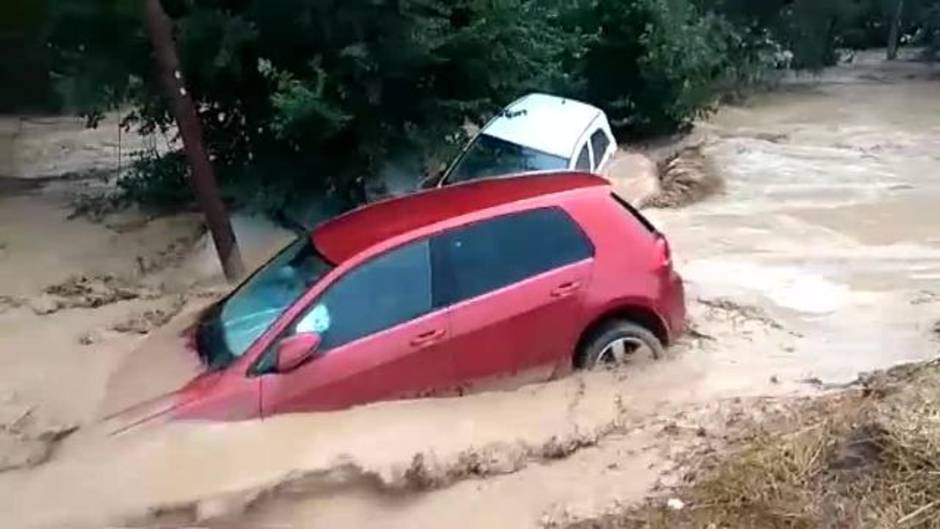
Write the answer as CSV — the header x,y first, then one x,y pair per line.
x,y
866,458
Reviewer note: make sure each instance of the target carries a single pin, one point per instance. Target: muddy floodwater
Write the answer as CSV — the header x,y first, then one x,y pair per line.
x,y
819,260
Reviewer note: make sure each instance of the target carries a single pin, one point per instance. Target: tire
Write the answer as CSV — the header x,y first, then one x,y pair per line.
x,y
600,349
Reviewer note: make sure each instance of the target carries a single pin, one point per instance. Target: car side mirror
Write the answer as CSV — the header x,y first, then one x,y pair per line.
x,y
294,351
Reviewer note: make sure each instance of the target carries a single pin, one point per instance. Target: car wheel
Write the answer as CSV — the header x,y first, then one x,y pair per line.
x,y
618,343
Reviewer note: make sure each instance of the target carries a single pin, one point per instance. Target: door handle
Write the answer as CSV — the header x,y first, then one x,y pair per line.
x,y
427,338
566,289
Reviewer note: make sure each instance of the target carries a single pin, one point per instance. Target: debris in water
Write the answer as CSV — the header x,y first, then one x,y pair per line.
x,y
95,206
10,302
45,304
144,322
813,381
686,178
88,292
675,504
25,439
925,296
89,338
174,253
747,312
693,331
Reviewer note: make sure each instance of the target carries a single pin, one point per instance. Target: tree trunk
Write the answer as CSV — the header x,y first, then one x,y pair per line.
x,y
895,34
204,184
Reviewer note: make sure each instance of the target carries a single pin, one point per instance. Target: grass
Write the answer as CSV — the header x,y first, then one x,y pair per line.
x,y
868,457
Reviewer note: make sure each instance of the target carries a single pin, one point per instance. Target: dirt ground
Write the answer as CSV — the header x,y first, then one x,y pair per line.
x,y
818,259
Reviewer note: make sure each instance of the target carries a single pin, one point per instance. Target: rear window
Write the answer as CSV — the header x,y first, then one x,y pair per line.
x,y
635,213
495,253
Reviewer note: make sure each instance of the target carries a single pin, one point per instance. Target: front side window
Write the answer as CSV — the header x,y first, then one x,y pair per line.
x,y
380,294
600,143
491,156
230,328
492,254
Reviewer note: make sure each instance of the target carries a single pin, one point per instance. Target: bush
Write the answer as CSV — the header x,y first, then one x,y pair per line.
x,y
158,182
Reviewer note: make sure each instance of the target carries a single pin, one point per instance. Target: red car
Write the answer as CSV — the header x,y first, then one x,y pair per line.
x,y
438,293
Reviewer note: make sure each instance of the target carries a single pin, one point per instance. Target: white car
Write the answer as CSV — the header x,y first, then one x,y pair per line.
x,y
537,132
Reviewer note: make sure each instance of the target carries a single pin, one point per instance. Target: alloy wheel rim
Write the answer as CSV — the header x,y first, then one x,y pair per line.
x,y
620,350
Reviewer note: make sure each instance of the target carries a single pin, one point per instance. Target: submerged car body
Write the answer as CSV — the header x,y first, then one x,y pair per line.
x,y
537,132
439,293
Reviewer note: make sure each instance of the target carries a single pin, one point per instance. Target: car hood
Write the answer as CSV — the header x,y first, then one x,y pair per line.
x,y
165,362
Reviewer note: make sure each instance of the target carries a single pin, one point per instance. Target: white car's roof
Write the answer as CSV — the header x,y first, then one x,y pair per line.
x,y
547,123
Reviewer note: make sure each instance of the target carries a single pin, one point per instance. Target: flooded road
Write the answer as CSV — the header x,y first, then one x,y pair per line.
x,y
830,222
819,261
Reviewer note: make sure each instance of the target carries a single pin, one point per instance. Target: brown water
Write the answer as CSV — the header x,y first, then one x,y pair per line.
x,y
820,260
832,227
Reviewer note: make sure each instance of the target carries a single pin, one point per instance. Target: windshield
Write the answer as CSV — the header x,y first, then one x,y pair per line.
x,y
230,329
491,156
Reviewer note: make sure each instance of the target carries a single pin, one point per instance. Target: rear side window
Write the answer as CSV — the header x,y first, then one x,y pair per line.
x,y
599,142
380,294
492,254
635,213
584,160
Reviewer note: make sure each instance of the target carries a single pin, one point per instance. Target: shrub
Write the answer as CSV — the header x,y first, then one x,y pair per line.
x,y
159,182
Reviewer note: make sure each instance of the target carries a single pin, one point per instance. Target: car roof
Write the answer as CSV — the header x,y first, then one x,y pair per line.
x,y
345,236
544,122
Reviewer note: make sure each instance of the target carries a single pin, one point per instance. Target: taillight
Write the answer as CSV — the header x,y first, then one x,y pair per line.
x,y
663,252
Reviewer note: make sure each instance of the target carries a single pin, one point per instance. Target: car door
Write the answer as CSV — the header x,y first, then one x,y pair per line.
x,y
380,339
514,285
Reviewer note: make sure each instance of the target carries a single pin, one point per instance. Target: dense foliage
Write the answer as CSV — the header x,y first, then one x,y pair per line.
x,y
306,96
24,71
